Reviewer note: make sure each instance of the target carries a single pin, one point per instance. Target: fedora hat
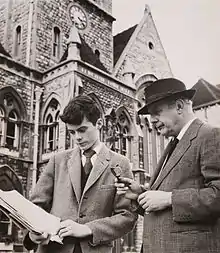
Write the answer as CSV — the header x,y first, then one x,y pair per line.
x,y
164,88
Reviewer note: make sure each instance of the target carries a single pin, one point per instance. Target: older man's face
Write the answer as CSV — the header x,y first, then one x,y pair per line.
x,y
165,118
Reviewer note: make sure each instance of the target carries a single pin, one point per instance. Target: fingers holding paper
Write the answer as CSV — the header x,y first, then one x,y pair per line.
x,y
43,238
72,228
152,201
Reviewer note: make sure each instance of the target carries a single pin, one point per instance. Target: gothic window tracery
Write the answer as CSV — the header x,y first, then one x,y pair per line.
x,y
8,181
10,121
118,127
12,130
2,126
51,127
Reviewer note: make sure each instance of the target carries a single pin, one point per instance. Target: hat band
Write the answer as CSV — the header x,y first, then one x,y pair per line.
x,y
160,95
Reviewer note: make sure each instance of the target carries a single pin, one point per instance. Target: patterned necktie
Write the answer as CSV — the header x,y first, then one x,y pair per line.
x,y
169,150
88,165
172,144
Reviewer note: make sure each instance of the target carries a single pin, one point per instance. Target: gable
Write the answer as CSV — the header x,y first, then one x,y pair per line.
x,y
206,93
144,50
120,41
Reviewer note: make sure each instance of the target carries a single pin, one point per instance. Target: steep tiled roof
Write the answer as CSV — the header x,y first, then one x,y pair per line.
x,y
3,51
206,93
87,55
120,41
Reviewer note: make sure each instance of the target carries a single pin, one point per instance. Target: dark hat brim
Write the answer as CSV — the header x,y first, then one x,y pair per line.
x,y
186,93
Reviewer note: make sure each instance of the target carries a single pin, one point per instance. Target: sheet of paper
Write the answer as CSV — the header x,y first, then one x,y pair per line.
x,y
28,213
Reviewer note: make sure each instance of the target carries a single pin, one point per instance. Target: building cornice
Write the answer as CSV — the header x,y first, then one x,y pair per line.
x,y
20,69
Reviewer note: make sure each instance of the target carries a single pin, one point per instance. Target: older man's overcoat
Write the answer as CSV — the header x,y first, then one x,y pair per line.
x,y
59,192
192,174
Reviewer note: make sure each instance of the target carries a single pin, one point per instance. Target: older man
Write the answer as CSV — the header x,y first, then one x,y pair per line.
x,y
182,204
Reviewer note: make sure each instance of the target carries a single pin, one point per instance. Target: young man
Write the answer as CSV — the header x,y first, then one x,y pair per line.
x,y
181,205
77,185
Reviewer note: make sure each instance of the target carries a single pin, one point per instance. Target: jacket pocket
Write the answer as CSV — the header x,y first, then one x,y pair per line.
x,y
107,186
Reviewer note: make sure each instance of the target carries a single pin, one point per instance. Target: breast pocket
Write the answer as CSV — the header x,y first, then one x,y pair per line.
x,y
107,187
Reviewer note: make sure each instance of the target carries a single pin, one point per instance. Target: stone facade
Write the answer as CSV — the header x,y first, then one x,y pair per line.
x,y
144,51
55,61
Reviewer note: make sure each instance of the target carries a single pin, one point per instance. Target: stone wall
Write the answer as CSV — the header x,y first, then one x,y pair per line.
x,y
16,14
3,20
98,34
146,53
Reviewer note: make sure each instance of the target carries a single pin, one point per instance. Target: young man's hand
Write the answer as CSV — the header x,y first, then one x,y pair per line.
x,y
72,228
43,238
128,187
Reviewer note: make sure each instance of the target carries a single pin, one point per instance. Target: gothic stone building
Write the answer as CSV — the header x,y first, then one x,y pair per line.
x,y
53,50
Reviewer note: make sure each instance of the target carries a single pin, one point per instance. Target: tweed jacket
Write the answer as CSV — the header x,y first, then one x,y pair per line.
x,y
58,191
192,174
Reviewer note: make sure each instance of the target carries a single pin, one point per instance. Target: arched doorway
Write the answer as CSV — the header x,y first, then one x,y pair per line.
x,y
10,235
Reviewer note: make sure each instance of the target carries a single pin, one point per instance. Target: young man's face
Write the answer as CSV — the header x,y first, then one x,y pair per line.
x,y
85,135
165,118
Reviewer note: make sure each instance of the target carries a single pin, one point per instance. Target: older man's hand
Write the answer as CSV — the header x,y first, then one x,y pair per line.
x,y
152,201
128,187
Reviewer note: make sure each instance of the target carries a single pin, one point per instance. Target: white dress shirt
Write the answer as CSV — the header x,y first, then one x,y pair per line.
x,y
184,129
94,157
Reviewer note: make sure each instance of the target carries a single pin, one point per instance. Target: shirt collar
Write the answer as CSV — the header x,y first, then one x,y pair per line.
x,y
184,129
97,148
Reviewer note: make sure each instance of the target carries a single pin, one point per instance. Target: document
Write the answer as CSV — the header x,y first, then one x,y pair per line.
x,y
27,215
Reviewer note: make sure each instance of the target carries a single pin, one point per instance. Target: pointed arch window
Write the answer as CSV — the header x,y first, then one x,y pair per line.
x,y
51,127
117,139
12,130
121,140
9,181
12,111
141,151
17,40
9,128
2,126
124,141
56,42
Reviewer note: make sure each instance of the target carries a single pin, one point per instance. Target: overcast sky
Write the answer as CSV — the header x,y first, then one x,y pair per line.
x,y
189,31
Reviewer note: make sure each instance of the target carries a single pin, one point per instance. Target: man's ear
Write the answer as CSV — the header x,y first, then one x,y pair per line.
x,y
99,123
179,105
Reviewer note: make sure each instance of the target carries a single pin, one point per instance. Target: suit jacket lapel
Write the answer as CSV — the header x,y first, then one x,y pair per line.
x,y
74,169
100,165
179,151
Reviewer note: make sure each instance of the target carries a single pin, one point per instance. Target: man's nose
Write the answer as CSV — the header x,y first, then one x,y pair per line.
x,y
78,136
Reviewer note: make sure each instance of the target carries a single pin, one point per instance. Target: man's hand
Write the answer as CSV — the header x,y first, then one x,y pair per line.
x,y
72,228
155,200
43,238
130,188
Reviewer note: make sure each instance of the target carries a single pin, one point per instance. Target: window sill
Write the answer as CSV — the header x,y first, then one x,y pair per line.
x,y
6,247
6,151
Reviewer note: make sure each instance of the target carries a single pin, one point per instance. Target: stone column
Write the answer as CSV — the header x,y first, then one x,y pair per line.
x,y
38,92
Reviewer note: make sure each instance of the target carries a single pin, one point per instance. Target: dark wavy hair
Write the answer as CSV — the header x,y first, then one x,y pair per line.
x,y
78,108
